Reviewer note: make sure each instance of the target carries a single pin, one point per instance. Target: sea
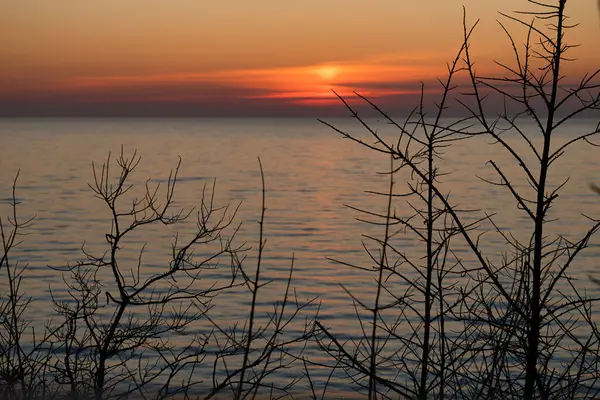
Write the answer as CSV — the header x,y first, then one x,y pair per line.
x,y
316,182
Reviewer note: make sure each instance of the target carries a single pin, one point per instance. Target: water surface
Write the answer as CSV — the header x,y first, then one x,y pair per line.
x,y
311,173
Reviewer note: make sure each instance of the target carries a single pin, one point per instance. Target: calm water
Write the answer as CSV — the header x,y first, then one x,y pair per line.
x,y
310,173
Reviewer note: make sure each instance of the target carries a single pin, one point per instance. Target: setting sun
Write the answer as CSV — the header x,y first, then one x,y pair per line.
x,y
327,73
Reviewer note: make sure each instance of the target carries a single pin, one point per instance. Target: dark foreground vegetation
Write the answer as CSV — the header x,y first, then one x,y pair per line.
x,y
457,322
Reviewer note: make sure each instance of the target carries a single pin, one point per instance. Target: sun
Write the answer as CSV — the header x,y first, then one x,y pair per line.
x,y
327,72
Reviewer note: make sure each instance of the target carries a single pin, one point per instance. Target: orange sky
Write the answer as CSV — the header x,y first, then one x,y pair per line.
x,y
263,57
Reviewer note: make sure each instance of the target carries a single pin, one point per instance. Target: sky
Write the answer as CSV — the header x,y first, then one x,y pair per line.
x,y
247,58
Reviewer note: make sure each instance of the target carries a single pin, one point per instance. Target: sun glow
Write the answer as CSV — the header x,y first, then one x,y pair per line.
x,y
300,85
327,73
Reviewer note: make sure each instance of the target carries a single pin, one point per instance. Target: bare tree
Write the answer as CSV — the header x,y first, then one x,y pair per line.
x,y
513,316
117,313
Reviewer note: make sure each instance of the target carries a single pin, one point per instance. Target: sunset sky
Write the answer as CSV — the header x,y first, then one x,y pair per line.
x,y
242,57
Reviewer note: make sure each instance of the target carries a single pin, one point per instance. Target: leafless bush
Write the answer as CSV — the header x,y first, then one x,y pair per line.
x,y
513,319
124,330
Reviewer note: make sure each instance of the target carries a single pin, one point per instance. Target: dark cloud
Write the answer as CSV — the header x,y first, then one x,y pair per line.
x,y
176,101
208,99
